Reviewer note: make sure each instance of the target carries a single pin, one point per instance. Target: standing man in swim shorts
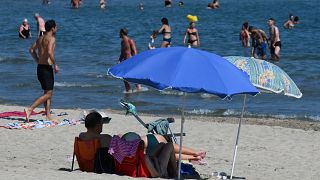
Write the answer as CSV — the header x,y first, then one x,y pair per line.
x,y
128,49
274,37
40,24
42,52
259,43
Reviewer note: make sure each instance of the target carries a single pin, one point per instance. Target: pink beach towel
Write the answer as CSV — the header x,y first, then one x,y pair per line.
x,y
19,113
120,148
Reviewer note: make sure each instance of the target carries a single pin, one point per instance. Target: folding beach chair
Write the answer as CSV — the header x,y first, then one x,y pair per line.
x,y
133,166
85,152
160,126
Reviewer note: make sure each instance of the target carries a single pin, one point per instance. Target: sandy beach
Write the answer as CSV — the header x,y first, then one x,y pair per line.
x,y
269,148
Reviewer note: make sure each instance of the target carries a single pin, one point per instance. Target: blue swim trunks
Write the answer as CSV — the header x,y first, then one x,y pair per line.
x,y
262,49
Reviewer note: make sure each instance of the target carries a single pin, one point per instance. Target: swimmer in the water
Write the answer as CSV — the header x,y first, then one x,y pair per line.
x,y
102,4
24,30
289,24
167,3
214,5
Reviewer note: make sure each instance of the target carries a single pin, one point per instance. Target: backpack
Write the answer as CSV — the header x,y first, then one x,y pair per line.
x,y
189,172
104,162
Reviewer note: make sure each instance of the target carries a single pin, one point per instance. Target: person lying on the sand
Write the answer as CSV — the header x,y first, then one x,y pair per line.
x,y
94,124
152,140
161,162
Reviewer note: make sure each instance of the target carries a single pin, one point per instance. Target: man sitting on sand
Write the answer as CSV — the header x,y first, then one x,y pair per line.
x,y
94,124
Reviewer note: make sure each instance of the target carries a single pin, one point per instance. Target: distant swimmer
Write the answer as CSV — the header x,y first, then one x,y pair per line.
x,y
45,2
291,22
140,6
40,24
165,30
24,30
167,3
259,43
152,38
181,3
42,52
75,3
102,4
128,49
214,5
193,36
245,35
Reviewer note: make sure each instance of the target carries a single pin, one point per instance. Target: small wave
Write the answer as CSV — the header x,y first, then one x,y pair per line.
x,y
100,76
167,92
65,84
234,113
14,60
97,75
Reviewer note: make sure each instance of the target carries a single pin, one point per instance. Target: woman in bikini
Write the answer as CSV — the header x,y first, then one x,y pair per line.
x,y
165,30
193,36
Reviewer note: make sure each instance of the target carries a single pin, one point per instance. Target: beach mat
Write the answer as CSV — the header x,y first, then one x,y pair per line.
x,y
38,124
19,114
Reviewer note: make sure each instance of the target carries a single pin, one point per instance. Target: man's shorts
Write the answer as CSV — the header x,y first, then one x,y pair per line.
x,y
45,76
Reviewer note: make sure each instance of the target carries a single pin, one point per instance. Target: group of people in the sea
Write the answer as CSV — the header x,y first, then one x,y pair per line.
x,y
43,49
260,40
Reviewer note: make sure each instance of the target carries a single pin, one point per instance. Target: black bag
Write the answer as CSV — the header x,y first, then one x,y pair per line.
x,y
104,162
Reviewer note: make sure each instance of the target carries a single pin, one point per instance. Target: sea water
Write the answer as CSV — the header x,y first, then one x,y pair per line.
x,y
88,43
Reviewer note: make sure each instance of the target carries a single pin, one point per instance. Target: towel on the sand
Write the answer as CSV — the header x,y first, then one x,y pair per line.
x,y
39,124
19,113
120,148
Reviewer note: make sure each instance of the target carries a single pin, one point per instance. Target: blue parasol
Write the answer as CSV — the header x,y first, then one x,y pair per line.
x,y
185,69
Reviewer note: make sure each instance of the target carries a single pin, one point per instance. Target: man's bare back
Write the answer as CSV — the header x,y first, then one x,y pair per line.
x,y
45,46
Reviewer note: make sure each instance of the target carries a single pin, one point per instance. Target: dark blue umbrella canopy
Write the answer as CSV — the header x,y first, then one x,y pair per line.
x,y
185,69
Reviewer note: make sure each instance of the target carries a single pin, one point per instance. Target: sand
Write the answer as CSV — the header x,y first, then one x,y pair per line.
x,y
268,149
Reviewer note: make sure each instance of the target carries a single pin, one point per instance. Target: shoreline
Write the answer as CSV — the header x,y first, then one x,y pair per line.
x,y
264,121
281,122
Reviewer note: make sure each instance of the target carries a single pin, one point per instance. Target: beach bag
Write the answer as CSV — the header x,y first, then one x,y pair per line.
x,y
104,162
189,172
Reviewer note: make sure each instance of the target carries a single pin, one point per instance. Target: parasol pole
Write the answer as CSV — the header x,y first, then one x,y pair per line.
x,y
181,135
238,134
